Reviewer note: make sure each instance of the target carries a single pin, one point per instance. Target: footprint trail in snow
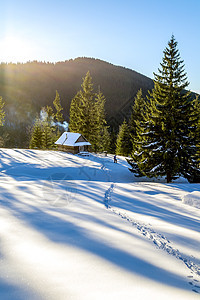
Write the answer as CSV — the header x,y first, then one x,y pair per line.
x,y
158,239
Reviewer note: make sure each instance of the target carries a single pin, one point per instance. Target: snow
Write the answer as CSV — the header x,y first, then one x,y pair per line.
x,y
82,144
192,199
151,144
69,139
76,227
156,167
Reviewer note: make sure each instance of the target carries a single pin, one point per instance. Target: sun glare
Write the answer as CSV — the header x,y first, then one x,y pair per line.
x,y
13,49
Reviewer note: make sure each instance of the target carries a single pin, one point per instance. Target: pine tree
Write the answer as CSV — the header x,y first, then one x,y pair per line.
x,y
82,109
50,114
100,139
87,115
113,139
123,146
137,116
47,136
57,104
105,144
50,131
2,113
166,138
87,107
36,136
75,114
197,133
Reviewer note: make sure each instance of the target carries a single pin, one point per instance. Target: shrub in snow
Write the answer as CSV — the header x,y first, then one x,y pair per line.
x,y
192,199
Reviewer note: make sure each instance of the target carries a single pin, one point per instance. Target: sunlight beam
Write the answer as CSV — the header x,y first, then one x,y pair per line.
x,y
15,49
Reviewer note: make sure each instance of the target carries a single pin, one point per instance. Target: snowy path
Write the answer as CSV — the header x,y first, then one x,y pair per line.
x,y
57,240
158,239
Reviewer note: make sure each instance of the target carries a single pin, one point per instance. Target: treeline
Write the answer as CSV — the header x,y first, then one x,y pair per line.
x,y
87,116
46,129
28,87
162,136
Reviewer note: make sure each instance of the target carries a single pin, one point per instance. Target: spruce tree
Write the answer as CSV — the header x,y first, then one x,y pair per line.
x,y
2,113
47,136
82,109
87,115
57,104
166,138
123,145
137,116
105,142
4,136
36,135
197,133
87,107
50,114
75,114
100,138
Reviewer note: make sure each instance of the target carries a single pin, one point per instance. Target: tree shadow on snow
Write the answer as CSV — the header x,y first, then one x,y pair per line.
x,y
67,232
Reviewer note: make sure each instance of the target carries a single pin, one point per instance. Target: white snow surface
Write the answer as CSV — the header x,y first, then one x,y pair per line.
x,y
192,199
85,228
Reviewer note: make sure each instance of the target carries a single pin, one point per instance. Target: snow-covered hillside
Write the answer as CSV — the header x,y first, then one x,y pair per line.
x,y
84,228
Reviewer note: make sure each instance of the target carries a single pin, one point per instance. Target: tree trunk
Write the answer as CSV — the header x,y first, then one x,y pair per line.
x,y
169,177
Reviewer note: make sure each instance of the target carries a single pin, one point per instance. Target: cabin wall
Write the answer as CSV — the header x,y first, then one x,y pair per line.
x,y
69,149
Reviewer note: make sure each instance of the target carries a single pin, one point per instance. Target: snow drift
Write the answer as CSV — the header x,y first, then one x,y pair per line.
x,y
192,199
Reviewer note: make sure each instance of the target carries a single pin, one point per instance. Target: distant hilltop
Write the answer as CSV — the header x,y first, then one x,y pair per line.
x,y
26,87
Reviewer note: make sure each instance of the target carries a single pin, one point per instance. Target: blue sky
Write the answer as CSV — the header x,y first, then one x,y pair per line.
x,y
132,34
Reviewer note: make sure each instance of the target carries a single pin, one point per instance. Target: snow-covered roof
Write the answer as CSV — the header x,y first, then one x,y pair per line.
x,y
70,139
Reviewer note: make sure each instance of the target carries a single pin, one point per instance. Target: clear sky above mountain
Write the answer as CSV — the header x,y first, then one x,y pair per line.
x,y
131,33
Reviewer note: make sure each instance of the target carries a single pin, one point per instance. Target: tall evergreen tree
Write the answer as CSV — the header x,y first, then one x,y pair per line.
x,y
100,138
57,104
123,146
43,133
47,136
4,137
75,114
137,116
197,109
82,109
105,142
2,113
167,145
36,136
87,114
87,108
50,114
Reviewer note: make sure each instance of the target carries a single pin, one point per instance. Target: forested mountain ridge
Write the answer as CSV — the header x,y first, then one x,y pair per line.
x,y
27,87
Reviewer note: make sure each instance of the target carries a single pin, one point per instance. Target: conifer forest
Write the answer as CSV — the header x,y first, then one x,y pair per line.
x,y
156,125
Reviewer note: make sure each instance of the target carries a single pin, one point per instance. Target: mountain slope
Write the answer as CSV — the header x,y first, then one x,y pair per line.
x,y
27,87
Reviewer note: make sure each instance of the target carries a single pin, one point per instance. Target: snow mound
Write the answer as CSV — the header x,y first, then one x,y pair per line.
x,y
192,199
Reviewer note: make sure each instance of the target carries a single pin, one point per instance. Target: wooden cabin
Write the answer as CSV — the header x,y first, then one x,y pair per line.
x,y
72,142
